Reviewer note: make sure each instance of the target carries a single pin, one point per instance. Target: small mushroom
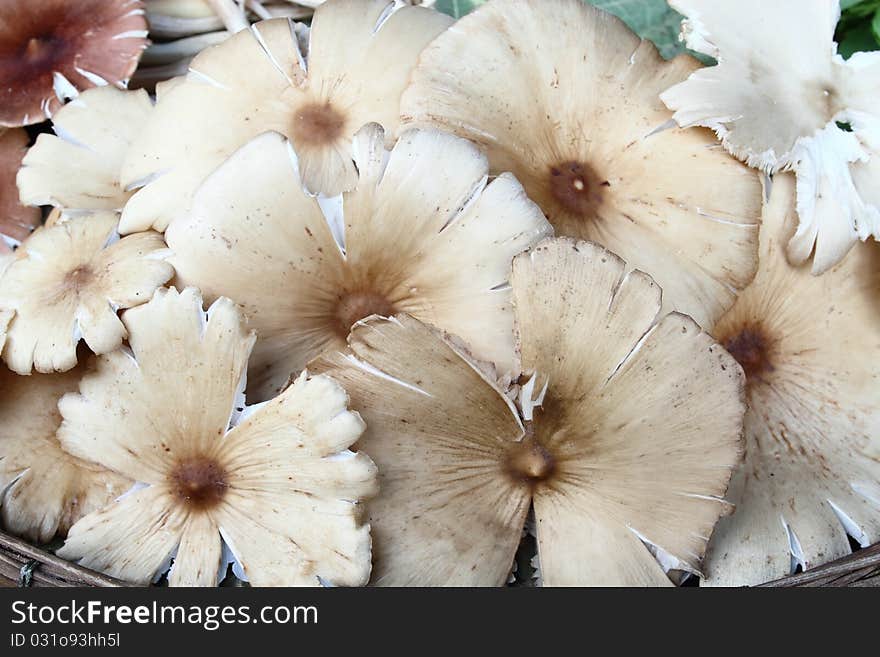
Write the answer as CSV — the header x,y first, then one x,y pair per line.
x,y
811,356
423,233
78,168
43,489
67,281
277,484
16,220
360,54
565,96
624,451
781,98
52,49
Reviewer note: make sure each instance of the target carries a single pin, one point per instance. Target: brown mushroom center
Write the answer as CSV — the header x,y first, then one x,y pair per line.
x,y
751,349
199,482
355,306
317,124
577,187
78,278
529,461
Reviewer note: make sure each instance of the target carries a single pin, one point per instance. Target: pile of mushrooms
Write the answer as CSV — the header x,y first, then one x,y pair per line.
x,y
368,299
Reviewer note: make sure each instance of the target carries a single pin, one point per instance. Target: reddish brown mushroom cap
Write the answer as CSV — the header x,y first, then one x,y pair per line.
x,y
51,49
16,221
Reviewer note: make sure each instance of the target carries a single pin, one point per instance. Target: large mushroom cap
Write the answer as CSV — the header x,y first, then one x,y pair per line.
x,y
566,97
622,450
51,49
779,98
67,281
78,168
16,220
810,350
359,57
43,489
276,483
423,234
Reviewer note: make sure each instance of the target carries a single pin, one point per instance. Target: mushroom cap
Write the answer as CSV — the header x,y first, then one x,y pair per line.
x,y
276,482
16,220
622,450
423,234
359,59
777,99
79,168
565,96
5,315
180,8
67,282
811,354
50,50
43,489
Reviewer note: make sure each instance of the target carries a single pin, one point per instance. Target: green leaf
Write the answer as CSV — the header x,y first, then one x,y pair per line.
x,y
875,27
650,19
457,8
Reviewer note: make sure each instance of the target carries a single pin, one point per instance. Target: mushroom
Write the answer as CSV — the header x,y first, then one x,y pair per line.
x,y
423,233
16,220
67,282
276,482
52,49
43,489
565,96
360,54
79,168
781,98
622,450
811,356
5,314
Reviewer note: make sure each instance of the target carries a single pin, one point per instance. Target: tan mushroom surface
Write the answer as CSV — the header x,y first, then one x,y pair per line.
x,y
317,88
277,484
566,97
779,99
67,282
43,489
78,168
16,220
423,233
811,354
52,49
622,450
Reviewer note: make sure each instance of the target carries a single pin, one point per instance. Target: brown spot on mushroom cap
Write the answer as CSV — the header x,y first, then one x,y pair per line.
x,y
16,220
576,187
751,347
358,305
317,124
199,482
529,461
38,40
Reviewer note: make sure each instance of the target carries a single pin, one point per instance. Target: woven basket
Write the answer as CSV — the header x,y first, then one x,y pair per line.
x,y
22,564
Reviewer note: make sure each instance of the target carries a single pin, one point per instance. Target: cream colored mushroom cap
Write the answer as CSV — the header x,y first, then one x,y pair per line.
x,y
16,220
5,315
276,483
78,168
777,99
43,489
67,281
423,233
622,448
358,61
811,354
565,97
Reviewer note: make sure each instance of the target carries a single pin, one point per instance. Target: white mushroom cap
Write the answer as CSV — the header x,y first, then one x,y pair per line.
x,y
79,168
16,220
358,61
777,98
276,483
43,489
67,281
565,97
811,354
423,233
622,450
